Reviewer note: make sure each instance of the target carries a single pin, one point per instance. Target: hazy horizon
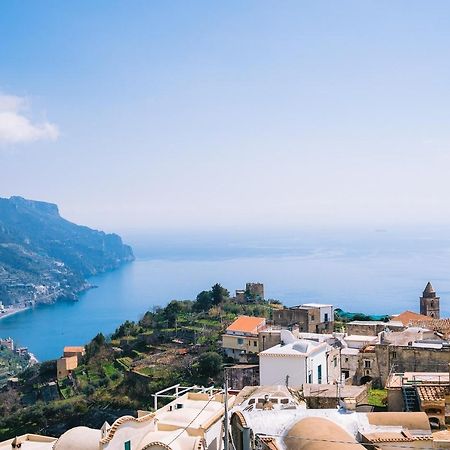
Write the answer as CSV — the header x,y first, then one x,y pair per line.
x,y
256,115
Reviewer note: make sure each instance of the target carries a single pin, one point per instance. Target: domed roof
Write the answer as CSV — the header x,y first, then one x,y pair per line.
x,y
317,433
429,289
79,438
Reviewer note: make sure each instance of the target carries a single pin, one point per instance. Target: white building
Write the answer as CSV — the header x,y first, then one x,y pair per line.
x,y
294,362
193,421
326,311
274,418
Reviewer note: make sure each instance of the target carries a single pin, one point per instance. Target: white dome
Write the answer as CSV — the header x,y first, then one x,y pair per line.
x,y
79,438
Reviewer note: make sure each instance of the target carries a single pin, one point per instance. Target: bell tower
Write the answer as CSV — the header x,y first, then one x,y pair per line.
x,y
429,303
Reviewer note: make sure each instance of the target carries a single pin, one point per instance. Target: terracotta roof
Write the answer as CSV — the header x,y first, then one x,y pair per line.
x,y
439,325
431,393
247,324
408,316
75,349
394,436
270,442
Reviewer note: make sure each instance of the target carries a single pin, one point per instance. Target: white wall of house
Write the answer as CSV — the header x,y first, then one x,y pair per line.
x,y
274,369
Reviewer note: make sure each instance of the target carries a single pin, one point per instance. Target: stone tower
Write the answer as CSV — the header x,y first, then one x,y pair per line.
x,y
429,303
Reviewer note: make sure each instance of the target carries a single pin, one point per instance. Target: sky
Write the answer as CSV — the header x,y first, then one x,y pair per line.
x,y
157,115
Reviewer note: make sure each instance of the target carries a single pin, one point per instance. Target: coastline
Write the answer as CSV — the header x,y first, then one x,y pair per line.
x,y
7,312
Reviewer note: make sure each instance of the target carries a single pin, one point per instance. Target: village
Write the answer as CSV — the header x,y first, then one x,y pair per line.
x,y
305,377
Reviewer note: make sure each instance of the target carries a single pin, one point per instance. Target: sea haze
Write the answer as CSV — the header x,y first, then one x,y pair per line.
x,y
374,271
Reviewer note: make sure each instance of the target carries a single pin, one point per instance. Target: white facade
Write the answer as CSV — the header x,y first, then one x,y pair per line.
x,y
192,421
294,362
326,311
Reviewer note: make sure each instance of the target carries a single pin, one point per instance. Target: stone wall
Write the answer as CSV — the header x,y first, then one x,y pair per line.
x,y
364,329
268,339
407,359
287,317
243,375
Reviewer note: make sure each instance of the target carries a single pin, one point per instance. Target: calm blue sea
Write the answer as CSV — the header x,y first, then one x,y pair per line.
x,y
375,271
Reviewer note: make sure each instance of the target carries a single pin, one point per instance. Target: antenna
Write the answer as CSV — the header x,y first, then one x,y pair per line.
x,y
225,417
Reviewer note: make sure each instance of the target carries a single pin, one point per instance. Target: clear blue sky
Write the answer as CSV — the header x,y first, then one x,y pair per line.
x,y
185,114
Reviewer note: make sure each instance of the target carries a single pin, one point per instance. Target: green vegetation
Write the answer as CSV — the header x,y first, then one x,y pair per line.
x,y
37,244
377,397
176,344
344,316
11,364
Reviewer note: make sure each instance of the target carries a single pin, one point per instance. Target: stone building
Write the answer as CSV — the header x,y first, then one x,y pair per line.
x,y
254,291
8,343
310,317
77,351
269,337
65,366
378,361
428,392
429,302
242,375
328,396
371,327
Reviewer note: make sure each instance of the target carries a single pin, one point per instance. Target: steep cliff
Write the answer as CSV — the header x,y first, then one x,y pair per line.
x,y
44,257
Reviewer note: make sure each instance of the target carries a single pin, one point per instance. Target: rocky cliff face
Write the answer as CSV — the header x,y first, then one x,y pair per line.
x,y
44,257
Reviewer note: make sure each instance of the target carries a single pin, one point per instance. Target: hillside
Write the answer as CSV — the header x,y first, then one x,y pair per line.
x,y
180,343
44,257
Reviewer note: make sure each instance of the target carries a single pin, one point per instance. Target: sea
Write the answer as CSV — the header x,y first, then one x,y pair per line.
x,y
375,271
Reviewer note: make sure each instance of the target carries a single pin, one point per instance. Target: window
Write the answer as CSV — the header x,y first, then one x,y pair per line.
x,y
319,374
312,318
326,317
255,343
310,378
240,341
127,445
335,361
346,359
367,364
394,355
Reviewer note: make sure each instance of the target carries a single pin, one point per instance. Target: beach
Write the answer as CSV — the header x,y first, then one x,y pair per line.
x,y
10,311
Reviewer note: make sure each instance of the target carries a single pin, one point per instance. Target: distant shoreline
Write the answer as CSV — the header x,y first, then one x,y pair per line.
x,y
7,312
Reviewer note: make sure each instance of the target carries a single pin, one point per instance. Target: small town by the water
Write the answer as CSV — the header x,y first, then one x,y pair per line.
x,y
224,225
239,371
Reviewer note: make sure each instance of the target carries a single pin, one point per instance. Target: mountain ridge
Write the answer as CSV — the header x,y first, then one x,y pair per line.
x,y
44,257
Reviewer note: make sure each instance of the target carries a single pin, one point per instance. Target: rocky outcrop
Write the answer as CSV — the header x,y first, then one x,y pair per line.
x,y
44,257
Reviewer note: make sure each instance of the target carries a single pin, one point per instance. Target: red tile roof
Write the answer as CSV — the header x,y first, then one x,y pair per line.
x,y
408,316
74,349
247,324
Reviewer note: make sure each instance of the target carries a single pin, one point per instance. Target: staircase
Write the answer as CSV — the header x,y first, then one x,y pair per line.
x,y
410,399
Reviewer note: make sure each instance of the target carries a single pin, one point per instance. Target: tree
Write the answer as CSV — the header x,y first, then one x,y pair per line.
x,y
95,346
128,328
219,294
204,301
209,364
147,320
171,312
